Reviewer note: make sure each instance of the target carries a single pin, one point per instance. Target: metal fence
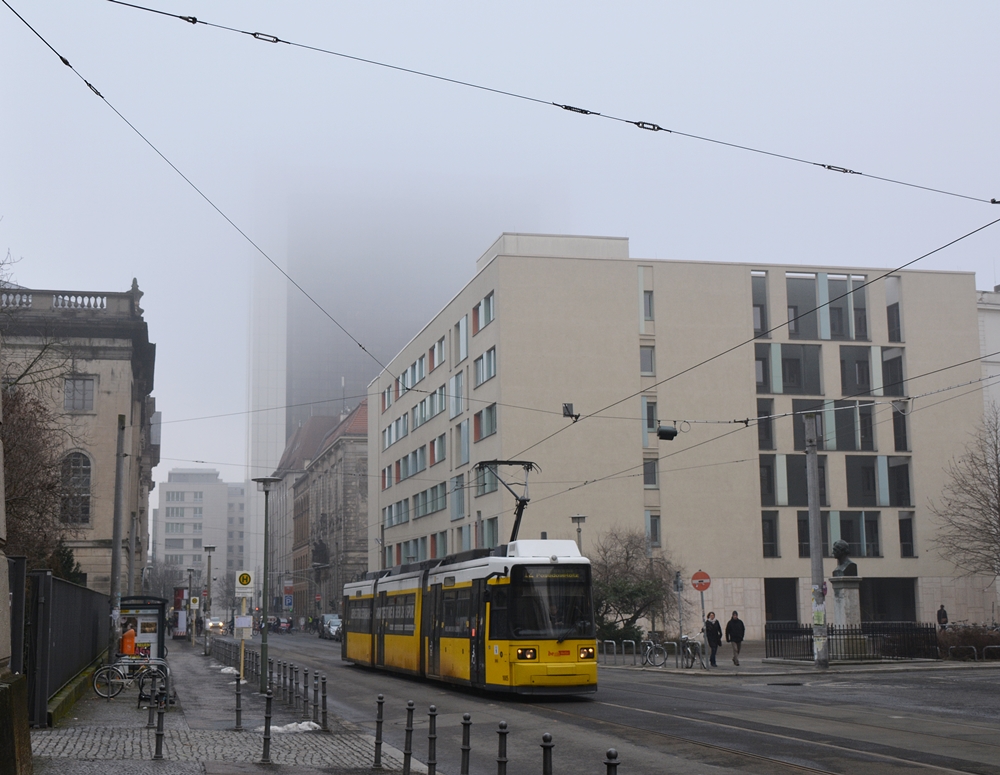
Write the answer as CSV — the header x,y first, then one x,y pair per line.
x,y
66,630
869,641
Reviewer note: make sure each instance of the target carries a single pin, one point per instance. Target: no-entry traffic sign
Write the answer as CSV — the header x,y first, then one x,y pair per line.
x,y
701,581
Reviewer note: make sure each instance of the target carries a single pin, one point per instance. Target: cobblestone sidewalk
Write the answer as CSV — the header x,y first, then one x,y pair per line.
x,y
110,737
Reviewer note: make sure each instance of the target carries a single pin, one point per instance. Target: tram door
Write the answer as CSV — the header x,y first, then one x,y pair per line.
x,y
378,628
433,621
477,646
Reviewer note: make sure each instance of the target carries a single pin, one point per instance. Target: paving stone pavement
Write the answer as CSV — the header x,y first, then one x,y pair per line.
x,y
110,737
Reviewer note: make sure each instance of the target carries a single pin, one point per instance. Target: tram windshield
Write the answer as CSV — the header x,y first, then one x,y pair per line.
x,y
550,601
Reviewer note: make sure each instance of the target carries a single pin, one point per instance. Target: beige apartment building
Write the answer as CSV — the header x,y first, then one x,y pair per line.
x,y
731,354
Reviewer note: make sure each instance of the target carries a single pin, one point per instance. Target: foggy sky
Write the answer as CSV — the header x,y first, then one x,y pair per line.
x,y
395,184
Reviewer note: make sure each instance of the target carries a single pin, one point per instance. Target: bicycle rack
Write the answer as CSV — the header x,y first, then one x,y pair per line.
x,y
614,651
677,650
989,648
975,653
633,651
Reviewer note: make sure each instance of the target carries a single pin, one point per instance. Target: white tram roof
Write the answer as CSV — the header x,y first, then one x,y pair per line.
x,y
527,551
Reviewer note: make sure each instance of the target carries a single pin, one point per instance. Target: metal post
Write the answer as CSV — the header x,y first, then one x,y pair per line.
x,y
266,758
408,738
133,527
466,747
547,746
161,708
152,699
284,681
265,482
295,687
679,587
502,749
323,723
704,631
305,692
116,542
821,651
432,740
270,674
377,765
611,762
239,706
315,698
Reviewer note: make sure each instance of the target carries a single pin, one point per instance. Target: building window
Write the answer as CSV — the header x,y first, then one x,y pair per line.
x,y
651,419
486,482
486,366
491,532
196,512
436,450
175,497
457,497
758,286
455,387
800,364
174,527
769,533
650,473
196,527
762,367
653,530
795,476
482,314
800,290
895,324
175,512
198,496
855,370
462,442
906,546
79,394
647,360
765,430
485,422
196,543
793,321
767,497
647,305
173,559
899,430
893,383
75,507
803,524
461,337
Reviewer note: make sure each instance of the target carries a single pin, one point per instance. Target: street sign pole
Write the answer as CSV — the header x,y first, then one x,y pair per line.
x,y
702,581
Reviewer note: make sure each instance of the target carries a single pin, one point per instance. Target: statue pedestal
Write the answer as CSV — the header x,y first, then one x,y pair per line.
x,y
846,600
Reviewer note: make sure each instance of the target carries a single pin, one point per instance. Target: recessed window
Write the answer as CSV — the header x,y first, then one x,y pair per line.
x,y
486,482
485,422
654,530
79,394
647,305
906,546
769,533
647,360
75,507
650,473
486,366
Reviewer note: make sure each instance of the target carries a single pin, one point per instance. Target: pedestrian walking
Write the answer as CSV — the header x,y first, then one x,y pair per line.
x,y
734,634
713,633
942,617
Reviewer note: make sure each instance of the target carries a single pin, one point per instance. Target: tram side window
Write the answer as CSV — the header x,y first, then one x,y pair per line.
x,y
498,613
398,614
457,605
359,617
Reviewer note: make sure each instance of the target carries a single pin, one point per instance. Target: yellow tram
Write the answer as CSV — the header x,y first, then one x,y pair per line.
x,y
518,618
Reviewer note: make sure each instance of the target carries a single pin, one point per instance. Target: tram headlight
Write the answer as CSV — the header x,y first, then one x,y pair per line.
x,y
586,652
528,653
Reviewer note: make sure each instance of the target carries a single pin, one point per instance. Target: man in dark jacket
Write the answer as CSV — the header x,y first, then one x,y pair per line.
x,y
734,634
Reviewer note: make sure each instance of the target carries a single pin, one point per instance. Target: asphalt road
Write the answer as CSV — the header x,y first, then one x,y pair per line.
x,y
883,722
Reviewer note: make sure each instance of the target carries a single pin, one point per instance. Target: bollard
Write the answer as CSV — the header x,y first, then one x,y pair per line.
x,y
466,747
161,708
305,693
432,740
239,705
315,698
547,746
294,687
284,681
611,762
266,758
270,673
377,765
152,700
502,749
323,715
408,739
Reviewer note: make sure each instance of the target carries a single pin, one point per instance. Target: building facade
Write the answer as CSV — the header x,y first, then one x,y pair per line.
x,y
89,354
198,509
731,354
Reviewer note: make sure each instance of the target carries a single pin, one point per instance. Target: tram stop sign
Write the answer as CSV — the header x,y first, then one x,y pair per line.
x,y
701,581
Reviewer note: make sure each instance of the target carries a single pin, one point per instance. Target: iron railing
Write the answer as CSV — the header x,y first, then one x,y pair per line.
x,y
869,641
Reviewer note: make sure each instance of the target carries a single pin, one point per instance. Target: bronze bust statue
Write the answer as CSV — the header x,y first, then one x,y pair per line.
x,y
846,567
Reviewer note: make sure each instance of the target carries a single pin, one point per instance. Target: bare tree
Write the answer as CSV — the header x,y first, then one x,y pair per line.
x,y
969,507
629,583
160,580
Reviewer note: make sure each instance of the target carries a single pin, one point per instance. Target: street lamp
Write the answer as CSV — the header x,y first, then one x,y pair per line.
x,y
578,520
208,598
190,622
265,483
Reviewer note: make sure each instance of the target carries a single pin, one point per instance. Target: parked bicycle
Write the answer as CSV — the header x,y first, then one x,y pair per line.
x,y
691,652
110,680
653,654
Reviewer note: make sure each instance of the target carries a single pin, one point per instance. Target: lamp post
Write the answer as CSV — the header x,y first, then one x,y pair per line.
x,y
207,605
265,483
190,623
578,520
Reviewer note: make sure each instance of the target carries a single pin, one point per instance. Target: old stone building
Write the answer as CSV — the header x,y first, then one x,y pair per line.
x,y
89,355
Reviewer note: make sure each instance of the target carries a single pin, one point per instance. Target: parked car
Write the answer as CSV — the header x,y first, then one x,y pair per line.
x,y
329,625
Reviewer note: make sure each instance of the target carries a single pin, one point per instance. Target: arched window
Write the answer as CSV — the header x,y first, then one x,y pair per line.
x,y
76,489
